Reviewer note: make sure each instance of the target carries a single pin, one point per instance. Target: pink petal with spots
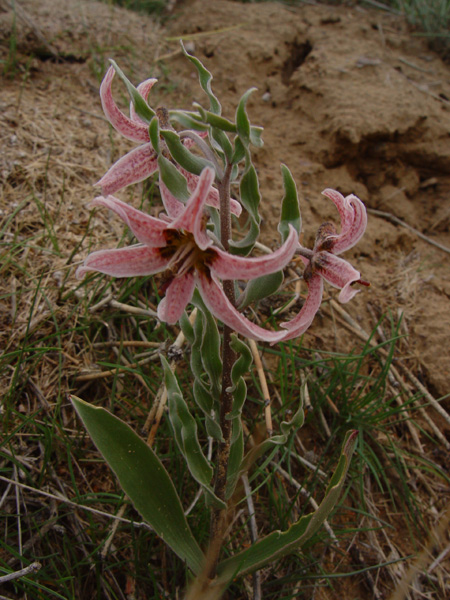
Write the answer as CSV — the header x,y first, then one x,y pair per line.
x,y
173,206
133,261
213,198
215,299
353,219
191,219
299,324
132,130
135,166
144,90
340,274
147,229
228,266
178,295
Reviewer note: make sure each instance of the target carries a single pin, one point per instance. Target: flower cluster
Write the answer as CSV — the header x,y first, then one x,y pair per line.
x,y
179,246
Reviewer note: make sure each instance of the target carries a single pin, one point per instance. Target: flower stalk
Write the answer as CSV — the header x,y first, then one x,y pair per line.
x,y
218,516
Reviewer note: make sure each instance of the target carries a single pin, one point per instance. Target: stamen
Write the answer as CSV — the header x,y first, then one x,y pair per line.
x,y
184,258
362,282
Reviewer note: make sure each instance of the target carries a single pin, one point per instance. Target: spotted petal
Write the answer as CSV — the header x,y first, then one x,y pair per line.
x,y
227,266
353,219
178,295
132,130
299,324
133,261
340,274
215,299
173,206
192,216
147,229
213,196
135,166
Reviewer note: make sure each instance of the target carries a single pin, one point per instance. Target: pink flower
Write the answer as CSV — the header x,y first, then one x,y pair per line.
x,y
142,162
323,263
187,257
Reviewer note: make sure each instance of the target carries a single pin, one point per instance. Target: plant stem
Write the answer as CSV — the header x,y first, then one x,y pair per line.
x,y
218,516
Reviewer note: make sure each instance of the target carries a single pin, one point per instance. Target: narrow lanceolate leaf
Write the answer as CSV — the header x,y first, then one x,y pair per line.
x,y
290,209
222,143
260,288
143,478
218,121
255,136
278,543
242,121
185,431
250,199
182,156
153,131
173,179
206,365
239,391
140,105
205,82
187,119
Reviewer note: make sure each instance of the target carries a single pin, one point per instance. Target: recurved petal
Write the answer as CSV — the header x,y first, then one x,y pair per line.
x,y
228,266
133,261
213,198
135,166
144,90
147,229
138,132
178,294
340,274
353,219
191,219
215,299
173,206
299,324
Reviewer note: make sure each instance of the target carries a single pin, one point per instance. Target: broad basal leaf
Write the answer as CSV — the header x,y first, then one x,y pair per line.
x,y
143,478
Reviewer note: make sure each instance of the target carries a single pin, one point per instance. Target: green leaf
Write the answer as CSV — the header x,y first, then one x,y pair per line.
x,y
239,151
278,544
206,364
205,78
222,142
250,199
185,432
259,288
143,478
242,122
174,180
182,156
255,136
187,119
218,122
290,209
141,106
153,131
240,368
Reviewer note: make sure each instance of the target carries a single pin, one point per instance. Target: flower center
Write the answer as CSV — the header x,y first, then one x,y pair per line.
x,y
184,254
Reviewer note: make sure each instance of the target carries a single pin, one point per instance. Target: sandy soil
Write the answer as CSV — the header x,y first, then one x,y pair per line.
x,y
347,97
348,100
